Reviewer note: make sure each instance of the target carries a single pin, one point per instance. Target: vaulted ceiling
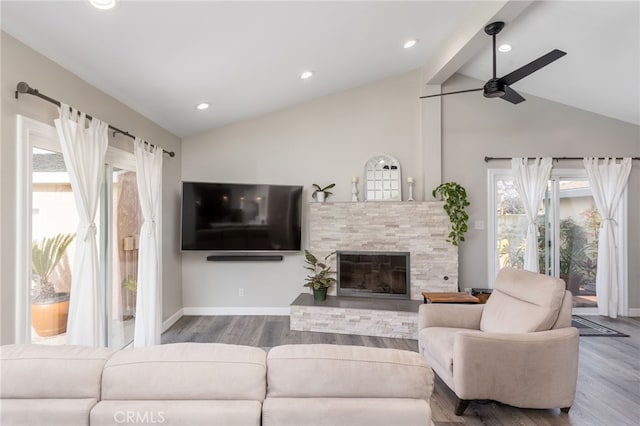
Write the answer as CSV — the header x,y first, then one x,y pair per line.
x,y
245,58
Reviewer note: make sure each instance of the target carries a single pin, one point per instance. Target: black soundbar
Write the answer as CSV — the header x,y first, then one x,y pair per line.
x,y
245,258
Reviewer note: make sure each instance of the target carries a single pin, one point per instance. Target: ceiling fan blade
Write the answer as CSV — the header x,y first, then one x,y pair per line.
x,y
511,95
532,67
451,93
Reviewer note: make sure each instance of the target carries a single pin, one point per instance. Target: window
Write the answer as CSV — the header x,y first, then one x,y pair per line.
x,y
48,233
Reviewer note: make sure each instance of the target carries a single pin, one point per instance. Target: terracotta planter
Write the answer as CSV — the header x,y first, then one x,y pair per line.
x,y
50,318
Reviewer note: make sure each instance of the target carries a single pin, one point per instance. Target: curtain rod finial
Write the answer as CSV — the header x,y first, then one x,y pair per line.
x,y
23,87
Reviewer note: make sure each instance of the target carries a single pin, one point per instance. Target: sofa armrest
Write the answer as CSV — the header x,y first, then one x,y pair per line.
x,y
534,370
449,315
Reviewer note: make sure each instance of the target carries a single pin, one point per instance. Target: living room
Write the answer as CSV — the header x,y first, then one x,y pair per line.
x,y
327,137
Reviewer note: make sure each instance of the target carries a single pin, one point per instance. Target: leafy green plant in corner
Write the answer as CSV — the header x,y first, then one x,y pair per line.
x,y
318,188
321,273
45,256
455,202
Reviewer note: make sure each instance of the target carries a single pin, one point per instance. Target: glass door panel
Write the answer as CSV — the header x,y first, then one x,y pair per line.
x,y
53,226
511,226
579,223
126,221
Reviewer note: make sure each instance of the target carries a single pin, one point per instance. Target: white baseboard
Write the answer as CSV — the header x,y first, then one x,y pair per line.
x,y
172,320
227,310
634,312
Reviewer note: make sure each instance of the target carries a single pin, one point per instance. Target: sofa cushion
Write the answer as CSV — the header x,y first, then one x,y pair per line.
x,y
177,413
182,371
46,412
522,302
346,412
334,371
40,371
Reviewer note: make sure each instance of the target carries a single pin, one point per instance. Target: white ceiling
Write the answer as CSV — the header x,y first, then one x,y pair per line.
x,y
245,58
601,71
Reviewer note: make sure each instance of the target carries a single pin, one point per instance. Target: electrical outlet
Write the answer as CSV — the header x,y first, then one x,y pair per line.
x,y
241,292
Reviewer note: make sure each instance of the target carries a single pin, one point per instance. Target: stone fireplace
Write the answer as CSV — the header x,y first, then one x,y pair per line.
x,y
373,274
418,229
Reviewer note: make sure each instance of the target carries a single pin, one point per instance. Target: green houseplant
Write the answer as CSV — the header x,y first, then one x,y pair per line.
x,y
455,202
320,193
320,278
49,309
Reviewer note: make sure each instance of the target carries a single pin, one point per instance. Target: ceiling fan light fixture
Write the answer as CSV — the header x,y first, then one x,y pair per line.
x,y
504,48
410,43
494,89
103,4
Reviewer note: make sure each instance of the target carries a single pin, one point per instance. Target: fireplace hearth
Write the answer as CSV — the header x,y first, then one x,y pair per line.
x,y
373,274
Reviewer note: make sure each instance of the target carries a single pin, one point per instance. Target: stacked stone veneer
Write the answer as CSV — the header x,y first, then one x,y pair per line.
x,y
420,228
367,322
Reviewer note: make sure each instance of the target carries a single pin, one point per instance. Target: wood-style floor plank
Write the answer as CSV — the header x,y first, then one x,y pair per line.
x,y
608,390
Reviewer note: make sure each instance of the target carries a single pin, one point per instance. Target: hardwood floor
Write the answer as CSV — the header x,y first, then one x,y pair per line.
x,y
608,391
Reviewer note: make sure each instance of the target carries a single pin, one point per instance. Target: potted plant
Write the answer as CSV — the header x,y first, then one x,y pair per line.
x,y
455,201
320,194
49,309
320,278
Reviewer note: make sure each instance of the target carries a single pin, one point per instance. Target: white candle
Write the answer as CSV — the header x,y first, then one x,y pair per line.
x,y
410,179
354,179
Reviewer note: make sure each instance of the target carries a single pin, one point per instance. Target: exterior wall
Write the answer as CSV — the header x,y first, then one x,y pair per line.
x,y
420,228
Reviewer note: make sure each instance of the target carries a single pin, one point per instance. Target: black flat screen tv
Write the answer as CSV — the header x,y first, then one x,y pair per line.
x,y
234,217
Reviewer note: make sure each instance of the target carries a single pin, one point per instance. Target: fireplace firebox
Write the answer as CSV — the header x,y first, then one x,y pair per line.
x,y
373,274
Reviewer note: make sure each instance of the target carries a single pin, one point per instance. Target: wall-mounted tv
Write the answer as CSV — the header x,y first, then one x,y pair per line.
x,y
234,217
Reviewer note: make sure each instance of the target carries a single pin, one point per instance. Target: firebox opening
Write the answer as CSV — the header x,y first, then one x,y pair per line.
x,y
373,274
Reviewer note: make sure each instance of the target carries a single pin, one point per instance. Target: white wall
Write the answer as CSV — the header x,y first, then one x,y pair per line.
x,y
21,63
323,141
474,127
329,139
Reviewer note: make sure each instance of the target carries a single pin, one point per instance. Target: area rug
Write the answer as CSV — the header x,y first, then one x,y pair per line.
x,y
590,328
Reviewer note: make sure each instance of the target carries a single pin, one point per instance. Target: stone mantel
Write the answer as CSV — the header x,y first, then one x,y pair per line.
x,y
420,228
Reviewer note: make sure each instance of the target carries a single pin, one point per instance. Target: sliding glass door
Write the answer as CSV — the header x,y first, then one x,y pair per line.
x,y
46,244
568,224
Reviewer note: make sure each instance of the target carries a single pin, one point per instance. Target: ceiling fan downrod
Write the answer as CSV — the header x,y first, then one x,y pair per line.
x,y
494,88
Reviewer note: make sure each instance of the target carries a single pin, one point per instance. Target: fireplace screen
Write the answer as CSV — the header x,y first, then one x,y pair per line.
x,y
373,274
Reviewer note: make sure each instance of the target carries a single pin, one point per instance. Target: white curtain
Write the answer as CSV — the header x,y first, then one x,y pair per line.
x,y
531,180
149,296
608,181
84,149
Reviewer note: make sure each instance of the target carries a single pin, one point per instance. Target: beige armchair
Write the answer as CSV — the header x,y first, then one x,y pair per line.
x,y
519,348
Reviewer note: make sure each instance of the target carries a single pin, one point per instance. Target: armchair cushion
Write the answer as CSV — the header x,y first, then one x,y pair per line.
x,y
522,302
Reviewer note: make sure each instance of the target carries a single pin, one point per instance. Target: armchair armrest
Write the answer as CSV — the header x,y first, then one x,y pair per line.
x,y
534,370
449,315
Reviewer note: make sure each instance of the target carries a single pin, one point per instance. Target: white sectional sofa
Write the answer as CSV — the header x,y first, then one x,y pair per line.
x,y
49,385
213,384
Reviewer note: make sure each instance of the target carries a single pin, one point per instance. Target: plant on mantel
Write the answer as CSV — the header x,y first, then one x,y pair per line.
x,y
455,201
320,193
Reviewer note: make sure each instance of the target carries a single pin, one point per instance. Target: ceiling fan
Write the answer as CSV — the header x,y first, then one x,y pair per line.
x,y
499,87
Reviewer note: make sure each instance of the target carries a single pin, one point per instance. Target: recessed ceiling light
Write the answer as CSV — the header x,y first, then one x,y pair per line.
x,y
409,43
305,75
504,48
103,4
202,106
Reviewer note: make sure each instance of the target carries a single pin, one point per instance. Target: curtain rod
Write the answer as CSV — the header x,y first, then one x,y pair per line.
x,y
487,159
23,87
